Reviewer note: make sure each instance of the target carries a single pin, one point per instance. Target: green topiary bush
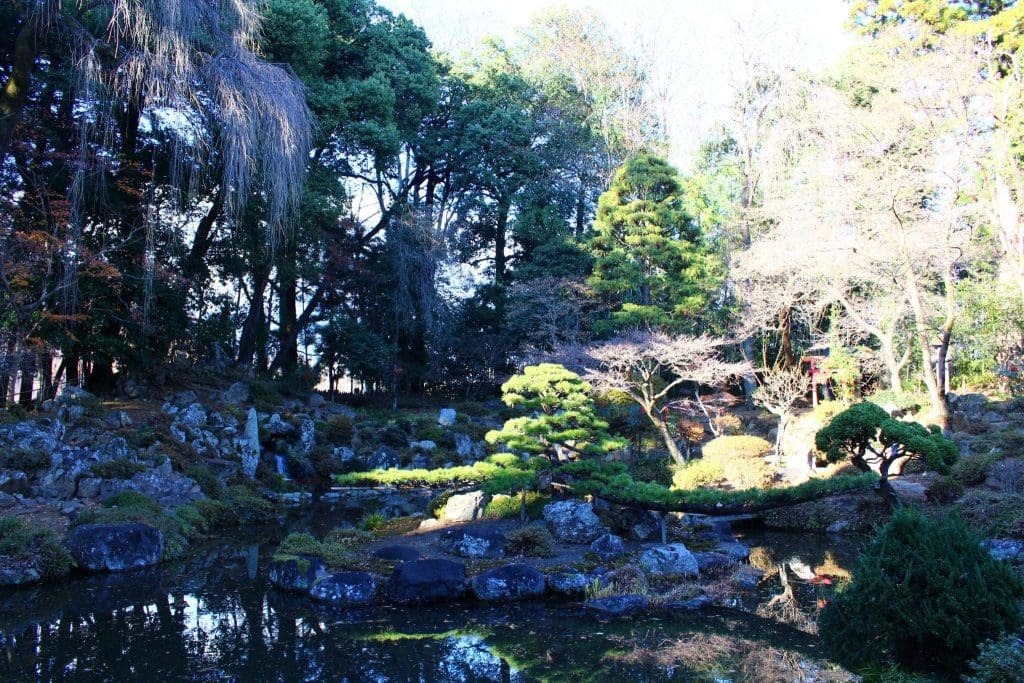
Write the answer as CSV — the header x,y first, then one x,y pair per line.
x,y
727,447
924,595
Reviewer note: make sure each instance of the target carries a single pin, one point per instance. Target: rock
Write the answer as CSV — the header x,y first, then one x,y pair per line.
x,y
346,588
296,574
838,527
184,398
236,394
608,546
399,553
14,481
316,401
307,435
119,419
344,454
1005,549
89,487
693,604
426,581
474,543
291,498
463,445
617,605
747,577
669,559
734,549
194,417
570,584
572,521
384,458
909,491
70,507
464,507
712,562
19,576
446,418
115,547
7,501
508,583
178,434
425,445
249,445
170,489
639,525
277,426
419,462
430,524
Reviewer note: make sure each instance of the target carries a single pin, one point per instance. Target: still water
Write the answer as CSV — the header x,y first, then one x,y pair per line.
x,y
213,617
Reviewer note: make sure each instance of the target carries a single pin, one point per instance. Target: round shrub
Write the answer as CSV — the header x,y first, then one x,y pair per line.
x,y
973,469
725,447
698,474
923,595
530,541
945,490
339,430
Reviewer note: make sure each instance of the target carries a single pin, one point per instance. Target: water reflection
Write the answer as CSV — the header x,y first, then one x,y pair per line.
x,y
214,618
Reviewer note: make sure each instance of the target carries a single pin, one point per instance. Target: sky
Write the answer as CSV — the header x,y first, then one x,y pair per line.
x,y
697,43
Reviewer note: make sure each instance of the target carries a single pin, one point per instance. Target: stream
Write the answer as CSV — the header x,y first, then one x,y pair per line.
x,y
214,617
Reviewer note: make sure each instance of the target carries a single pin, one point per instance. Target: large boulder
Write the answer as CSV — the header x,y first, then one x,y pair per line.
x,y
511,582
346,588
464,507
194,416
115,547
617,605
670,559
168,488
426,581
446,417
476,543
249,444
384,458
639,525
572,521
608,546
236,394
297,574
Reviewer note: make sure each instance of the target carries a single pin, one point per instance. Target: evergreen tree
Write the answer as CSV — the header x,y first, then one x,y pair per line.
x,y
652,261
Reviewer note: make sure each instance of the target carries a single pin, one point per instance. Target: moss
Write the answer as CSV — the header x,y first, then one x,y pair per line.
x,y
530,541
117,469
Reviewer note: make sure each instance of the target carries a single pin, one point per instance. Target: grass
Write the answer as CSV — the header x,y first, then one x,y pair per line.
x,y
19,541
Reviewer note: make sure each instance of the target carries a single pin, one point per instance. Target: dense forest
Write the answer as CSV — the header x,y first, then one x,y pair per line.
x,y
313,193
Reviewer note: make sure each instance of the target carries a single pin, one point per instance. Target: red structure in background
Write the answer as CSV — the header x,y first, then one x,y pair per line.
x,y
820,376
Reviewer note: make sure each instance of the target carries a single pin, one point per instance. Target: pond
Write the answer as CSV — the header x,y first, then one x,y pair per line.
x,y
213,617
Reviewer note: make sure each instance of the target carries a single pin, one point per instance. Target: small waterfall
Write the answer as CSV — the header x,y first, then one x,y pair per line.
x,y
282,466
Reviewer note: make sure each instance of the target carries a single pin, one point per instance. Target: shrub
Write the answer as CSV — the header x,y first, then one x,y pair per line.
x,y
117,469
502,506
999,661
435,508
372,522
530,541
431,432
473,409
924,594
826,410
973,469
339,429
945,490
265,395
657,470
208,482
29,460
393,436
748,473
728,447
698,474
728,424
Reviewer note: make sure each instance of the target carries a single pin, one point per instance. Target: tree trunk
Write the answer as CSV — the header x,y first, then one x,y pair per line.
x,y
16,90
501,226
288,354
253,320
935,395
28,378
893,365
666,435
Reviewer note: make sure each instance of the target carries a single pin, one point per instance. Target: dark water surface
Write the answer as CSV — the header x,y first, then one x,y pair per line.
x,y
213,617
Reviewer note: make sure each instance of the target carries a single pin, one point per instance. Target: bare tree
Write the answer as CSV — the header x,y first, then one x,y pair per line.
x,y
648,366
778,393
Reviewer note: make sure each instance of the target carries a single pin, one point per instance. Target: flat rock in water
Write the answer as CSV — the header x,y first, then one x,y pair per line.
x,y
475,543
617,605
508,583
399,553
296,574
426,581
346,588
115,547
